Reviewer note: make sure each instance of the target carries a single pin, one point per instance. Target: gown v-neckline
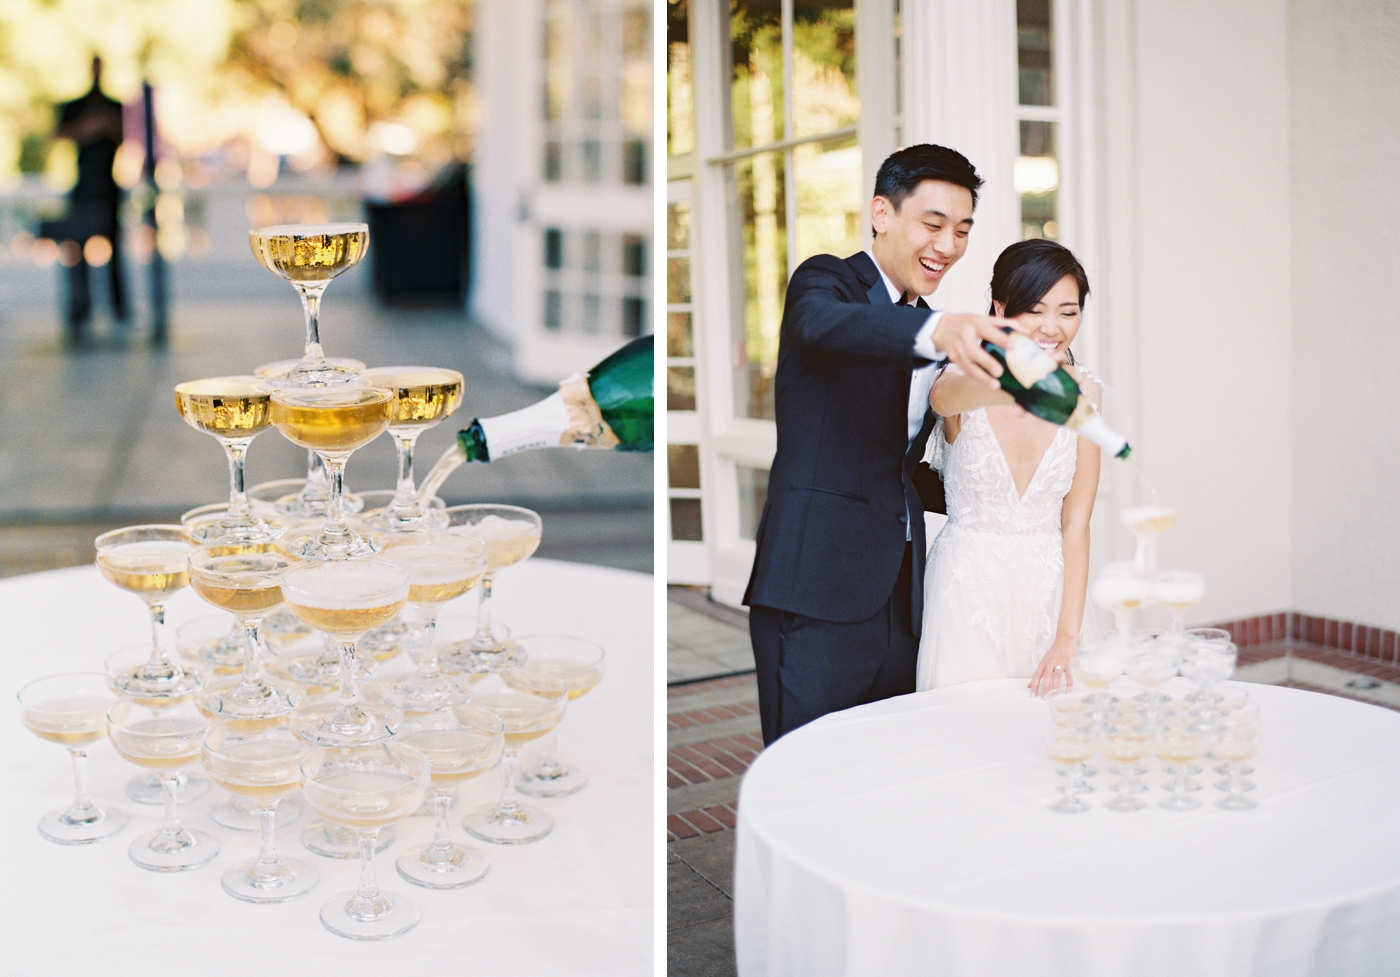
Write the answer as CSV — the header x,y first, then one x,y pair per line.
x,y
1006,465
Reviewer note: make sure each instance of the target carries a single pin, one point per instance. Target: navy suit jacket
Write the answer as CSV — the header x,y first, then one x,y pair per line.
x,y
843,488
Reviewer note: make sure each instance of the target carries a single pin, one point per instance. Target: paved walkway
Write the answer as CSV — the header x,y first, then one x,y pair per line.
x,y
713,737
90,437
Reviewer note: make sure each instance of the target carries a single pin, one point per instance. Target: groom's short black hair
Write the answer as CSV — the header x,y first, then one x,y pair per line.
x,y
902,172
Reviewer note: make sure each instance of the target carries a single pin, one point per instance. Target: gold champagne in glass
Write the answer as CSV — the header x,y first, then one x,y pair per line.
x,y
309,256
527,713
511,534
333,423
423,396
234,410
579,665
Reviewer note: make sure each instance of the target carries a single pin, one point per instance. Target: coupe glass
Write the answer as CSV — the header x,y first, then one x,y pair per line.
x,y
149,788
364,789
1178,590
1070,747
1097,664
263,766
309,256
299,499
527,714
1237,742
333,422
1178,745
71,710
1072,709
248,586
511,534
579,665
440,568
234,410
1152,664
1147,522
1121,589
345,599
423,396
458,751
163,739
401,634
1125,744
149,561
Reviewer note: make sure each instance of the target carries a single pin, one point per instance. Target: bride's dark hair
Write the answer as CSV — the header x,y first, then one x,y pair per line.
x,y
1026,270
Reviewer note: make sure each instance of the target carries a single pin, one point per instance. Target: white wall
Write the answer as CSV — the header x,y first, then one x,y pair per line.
x,y
1211,356
1344,74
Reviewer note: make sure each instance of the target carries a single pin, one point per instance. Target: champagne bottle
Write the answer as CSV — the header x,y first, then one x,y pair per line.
x,y
1046,389
612,406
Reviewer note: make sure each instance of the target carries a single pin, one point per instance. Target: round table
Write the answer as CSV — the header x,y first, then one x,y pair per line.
x,y
911,836
577,902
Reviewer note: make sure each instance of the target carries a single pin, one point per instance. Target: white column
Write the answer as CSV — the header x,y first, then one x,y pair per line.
x,y
960,91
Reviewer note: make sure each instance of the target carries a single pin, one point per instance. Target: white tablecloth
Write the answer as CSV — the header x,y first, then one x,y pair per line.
x,y
911,836
577,902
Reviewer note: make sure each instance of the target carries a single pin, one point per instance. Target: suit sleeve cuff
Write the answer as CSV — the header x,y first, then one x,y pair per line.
x,y
923,341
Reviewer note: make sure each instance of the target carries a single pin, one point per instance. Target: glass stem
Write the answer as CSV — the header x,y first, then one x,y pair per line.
x,y
335,530
368,891
170,828
347,676
268,862
404,491
485,638
509,804
442,837
251,680
548,759
157,666
238,513
311,306
315,471
1236,784
83,809
427,655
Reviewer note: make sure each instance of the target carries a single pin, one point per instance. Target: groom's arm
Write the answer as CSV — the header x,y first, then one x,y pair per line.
x,y
830,330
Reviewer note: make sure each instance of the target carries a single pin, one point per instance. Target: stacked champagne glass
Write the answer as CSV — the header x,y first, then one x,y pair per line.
x,y
299,693
1117,707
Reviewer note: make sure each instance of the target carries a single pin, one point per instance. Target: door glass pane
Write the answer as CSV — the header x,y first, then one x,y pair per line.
x,y
830,199
683,466
680,388
753,493
823,67
680,338
678,225
680,117
685,520
1034,38
1037,175
759,215
677,280
756,87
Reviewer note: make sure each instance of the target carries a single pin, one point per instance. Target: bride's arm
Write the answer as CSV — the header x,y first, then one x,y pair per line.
x,y
1074,526
954,392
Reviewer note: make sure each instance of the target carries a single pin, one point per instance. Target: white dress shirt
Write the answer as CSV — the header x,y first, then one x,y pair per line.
x,y
921,383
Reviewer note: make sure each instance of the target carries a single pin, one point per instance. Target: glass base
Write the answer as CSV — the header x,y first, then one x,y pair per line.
x,y
177,685
197,849
316,373
461,657
464,867
316,669
515,827
208,641
1235,802
387,640
393,915
306,505
368,726
311,546
150,790
1183,803
420,694
334,841
1245,785
297,880
559,780
209,524
224,701
412,519
56,827
238,813
1128,803
1069,804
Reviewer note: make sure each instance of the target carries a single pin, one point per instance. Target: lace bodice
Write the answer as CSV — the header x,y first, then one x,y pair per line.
x,y
979,489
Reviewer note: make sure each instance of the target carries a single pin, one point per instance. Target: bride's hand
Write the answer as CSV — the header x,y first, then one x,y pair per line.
x,y
1053,670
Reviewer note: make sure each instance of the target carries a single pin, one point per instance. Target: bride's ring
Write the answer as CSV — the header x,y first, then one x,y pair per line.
x,y
1058,668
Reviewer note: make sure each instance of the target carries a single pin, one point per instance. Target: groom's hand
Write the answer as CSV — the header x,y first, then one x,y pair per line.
x,y
960,336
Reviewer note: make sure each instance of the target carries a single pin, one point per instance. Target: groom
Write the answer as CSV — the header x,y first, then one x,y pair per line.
x,y
836,594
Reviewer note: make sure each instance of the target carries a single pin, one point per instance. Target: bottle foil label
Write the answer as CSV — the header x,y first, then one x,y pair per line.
x,y
586,425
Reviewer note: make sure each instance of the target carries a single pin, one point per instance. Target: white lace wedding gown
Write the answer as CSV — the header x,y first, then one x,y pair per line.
x,y
996,571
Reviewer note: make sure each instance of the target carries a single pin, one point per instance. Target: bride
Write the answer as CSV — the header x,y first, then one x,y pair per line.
x,y
1006,577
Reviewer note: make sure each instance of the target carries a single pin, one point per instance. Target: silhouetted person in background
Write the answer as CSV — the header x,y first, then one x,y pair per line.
x,y
94,122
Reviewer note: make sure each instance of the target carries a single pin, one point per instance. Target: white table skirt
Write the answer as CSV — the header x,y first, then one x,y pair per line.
x,y
577,902
911,836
